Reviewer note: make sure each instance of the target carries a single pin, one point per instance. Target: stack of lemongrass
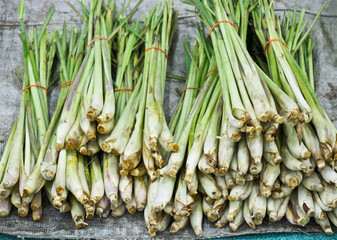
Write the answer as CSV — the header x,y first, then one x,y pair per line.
x,y
264,173
248,138
28,133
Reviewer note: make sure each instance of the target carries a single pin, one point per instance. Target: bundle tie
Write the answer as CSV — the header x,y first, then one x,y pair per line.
x,y
195,88
124,90
34,86
273,40
157,49
99,37
66,84
223,21
215,69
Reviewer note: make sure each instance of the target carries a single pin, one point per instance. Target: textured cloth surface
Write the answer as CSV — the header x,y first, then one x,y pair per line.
x,y
57,225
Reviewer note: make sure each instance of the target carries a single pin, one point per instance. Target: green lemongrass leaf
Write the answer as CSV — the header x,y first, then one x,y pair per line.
x,y
77,12
46,22
85,12
125,20
310,28
190,55
177,77
187,46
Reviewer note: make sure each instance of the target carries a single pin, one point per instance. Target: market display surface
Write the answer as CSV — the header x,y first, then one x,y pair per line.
x,y
248,140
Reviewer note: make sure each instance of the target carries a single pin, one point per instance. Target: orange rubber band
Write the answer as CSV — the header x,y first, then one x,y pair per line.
x,y
66,84
157,49
273,40
215,69
124,90
34,86
99,37
195,88
223,21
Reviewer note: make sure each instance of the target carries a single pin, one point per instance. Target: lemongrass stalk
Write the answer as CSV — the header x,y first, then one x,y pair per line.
x,y
209,185
223,220
140,192
204,166
96,104
72,179
132,206
193,186
148,162
37,201
179,225
60,177
218,208
225,154
75,136
164,193
166,140
329,195
97,185
169,209
211,143
7,151
329,175
325,225
273,206
23,211
233,209
139,171
312,143
125,188
196,217
220,181
77,212
240,192
48,166
87,126
255,146
93,147
108,110
282,192
37,214
255,168
291,162
282,209
310,166
294,213
82,168
296,148
321,204
5,207
153,113
305,201
206,207
257,204
271,153
313,182
102,205
132,152
180,197
111,177
268,177
229,181
243,157
289,177
16,198
238,221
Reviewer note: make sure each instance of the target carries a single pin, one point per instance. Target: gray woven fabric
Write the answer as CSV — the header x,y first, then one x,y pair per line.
x,y
56,225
